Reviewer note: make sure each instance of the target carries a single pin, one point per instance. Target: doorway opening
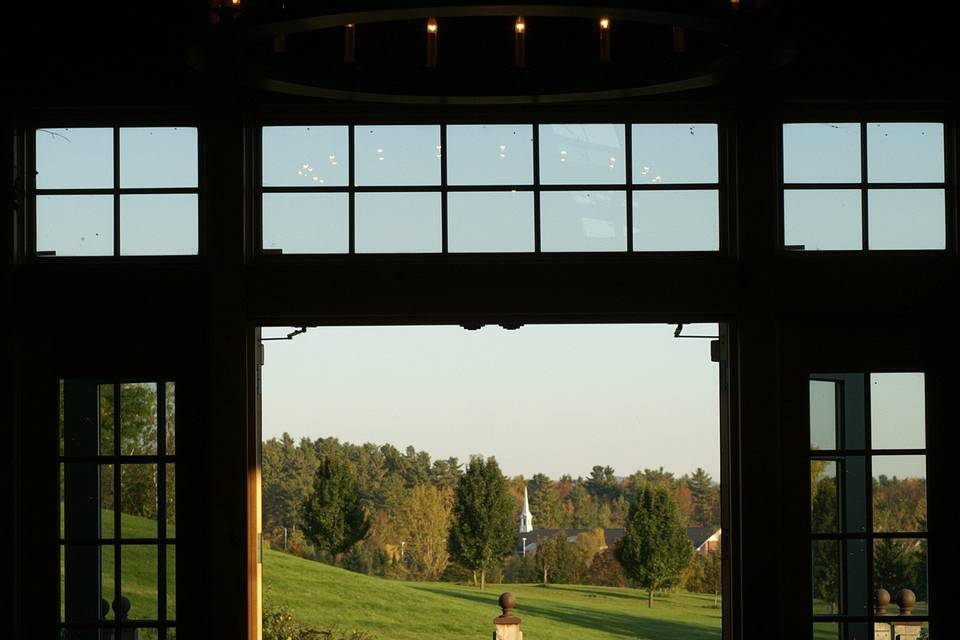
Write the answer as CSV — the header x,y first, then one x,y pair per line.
x,y
411,474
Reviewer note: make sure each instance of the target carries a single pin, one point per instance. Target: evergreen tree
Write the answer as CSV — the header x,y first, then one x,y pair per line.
x,y
483,529
602,484
333,516
545,503
701,487
654,549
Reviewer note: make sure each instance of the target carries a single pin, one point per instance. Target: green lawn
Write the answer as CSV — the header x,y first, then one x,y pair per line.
x,y
139,565
321,595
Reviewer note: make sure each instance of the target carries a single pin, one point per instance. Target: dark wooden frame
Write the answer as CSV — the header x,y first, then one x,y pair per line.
x,y
788,314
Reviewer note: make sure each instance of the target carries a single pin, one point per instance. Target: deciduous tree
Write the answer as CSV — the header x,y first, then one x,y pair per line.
x,y
654,548
483,529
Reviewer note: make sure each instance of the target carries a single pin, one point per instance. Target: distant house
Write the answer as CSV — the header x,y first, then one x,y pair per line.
x,y
704,539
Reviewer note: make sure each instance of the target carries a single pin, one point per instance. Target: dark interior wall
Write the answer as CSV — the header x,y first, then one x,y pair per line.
x,y
84,63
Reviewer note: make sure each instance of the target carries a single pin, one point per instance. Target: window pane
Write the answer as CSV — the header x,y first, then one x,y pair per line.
x,y
306,222
75,225
74,158
826,576
305,156
857,598
675,153
158,225
107,506
138,419
107,442
907,219
171,583
171,501
899,493
86,504
897,411
171,408
85,582
491,221
398,223
158,157
826,631
139,580
397,155
823,414
905,152
821,220
490,154
676,221
108,581
821,152
901,563
854,494
138,500
582,154
583,221
824,504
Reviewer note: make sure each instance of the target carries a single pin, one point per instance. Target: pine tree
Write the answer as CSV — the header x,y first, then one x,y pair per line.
x,y
483,530
701,486
654,549
333,516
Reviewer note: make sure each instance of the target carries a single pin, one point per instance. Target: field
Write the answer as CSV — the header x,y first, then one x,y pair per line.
x,y
321,596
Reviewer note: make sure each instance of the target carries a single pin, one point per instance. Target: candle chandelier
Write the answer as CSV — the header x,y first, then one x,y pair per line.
x,y
462,54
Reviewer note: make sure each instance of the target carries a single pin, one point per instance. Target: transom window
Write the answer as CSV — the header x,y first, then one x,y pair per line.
x,y
118,509
863,186
116,191
868,510
490,188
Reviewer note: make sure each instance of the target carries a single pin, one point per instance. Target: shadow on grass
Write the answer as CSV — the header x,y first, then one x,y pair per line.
x,y
614,622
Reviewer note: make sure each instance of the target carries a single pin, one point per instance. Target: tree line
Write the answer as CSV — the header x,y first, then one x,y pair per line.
x,y
381,511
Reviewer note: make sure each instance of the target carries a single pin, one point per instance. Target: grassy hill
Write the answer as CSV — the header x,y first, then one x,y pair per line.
x,y
139,566
321,595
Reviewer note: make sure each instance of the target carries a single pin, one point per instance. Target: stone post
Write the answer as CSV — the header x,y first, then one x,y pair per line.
x,y
906,599
881,630
507,626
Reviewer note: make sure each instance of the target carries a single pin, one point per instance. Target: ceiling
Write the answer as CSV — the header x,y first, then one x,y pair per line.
x,y
99,54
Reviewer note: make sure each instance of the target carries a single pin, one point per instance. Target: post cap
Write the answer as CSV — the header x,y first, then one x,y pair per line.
x,y
905,600
507,602
881,599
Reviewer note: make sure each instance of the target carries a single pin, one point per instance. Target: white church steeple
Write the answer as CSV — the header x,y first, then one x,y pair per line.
x,y
526,518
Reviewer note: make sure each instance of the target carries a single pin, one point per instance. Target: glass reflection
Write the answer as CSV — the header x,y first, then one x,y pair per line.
x,y
397,155
582,154
313,156
490,154
583,221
